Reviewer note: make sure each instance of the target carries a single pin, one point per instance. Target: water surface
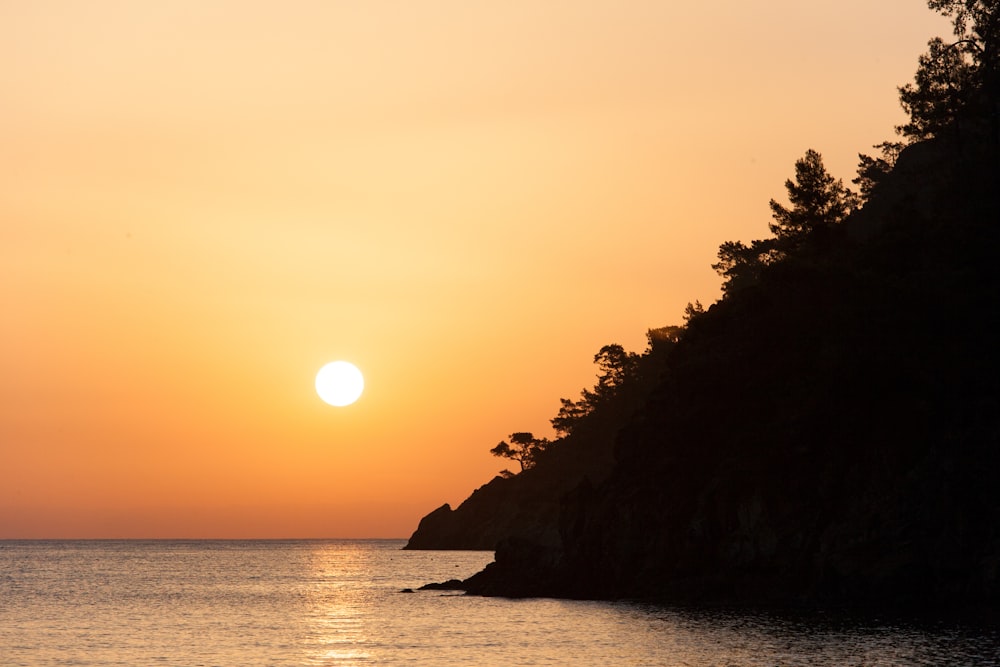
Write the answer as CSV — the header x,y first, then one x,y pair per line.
x,y
278,603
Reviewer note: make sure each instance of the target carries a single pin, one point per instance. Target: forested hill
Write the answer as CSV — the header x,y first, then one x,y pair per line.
x,y
830,428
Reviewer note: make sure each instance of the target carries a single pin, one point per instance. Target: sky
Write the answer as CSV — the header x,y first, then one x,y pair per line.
x,y
204,202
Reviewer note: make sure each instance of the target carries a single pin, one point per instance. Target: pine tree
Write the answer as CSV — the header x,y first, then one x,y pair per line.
x,y
819,202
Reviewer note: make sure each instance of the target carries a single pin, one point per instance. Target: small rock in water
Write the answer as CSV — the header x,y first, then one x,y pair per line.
x,y
450,585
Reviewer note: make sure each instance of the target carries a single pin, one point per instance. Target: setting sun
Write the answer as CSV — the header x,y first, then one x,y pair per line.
x,y
339,383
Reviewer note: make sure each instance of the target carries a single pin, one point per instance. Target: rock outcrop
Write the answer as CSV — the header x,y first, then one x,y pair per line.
x,y
493,511
525,506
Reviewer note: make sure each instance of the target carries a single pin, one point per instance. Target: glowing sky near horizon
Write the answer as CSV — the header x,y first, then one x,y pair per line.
x,y
204,202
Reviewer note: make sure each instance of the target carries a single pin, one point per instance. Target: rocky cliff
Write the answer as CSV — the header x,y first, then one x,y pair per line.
x,y
526,505
831,433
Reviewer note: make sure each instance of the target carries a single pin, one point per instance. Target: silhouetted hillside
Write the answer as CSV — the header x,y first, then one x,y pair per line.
x,y
832,432
830,429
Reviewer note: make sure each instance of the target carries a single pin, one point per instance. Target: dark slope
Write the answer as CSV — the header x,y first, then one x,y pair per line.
x,y
525,506
830,433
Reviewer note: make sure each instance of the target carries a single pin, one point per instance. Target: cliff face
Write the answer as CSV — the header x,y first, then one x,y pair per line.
x,y
832,433
525,506
493,512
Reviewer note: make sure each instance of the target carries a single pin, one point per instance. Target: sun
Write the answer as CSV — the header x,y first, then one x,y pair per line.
x,y
339,383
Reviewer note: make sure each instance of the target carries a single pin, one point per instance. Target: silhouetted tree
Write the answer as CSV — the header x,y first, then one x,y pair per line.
x,y
976,24
960,79
819,201
570,414
616,368
693,310
742,264
664,335
524,448
939,92
871,170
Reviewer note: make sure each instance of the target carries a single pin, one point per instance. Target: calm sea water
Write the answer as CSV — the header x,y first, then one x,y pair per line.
x,y
234,603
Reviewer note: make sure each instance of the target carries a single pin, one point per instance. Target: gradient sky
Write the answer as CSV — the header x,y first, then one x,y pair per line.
x,y
204,202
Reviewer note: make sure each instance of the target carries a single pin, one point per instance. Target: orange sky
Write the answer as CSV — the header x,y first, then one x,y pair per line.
x,y
204,202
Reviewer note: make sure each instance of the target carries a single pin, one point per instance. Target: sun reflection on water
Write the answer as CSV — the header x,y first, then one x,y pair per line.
x,y
340,608
340,635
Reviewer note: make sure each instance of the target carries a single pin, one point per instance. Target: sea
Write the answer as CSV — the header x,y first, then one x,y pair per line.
x,y
348,602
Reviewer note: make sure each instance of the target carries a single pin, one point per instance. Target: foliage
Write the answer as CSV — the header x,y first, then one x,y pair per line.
x,y
872,170
524,448
819,201
664,337
741,265
623,379
958,82
693,310
939,92
976,24
617,368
